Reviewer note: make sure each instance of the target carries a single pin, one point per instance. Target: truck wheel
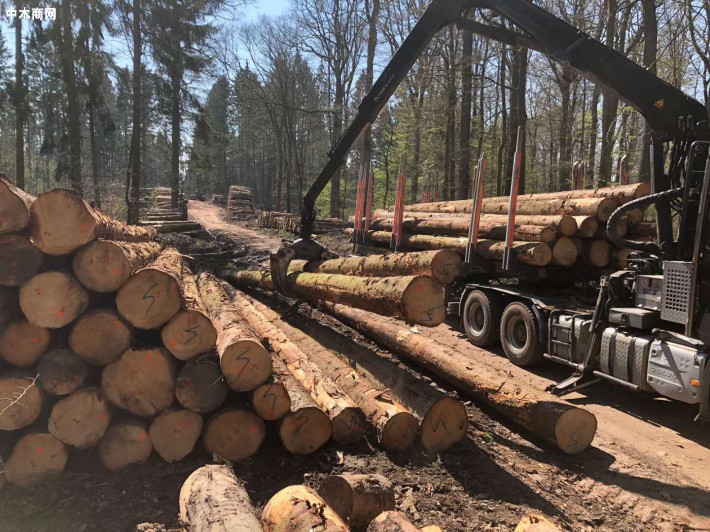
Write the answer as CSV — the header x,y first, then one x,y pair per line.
x,y
519,331
481,318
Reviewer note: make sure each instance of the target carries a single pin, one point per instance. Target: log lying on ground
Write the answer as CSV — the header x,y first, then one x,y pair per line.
x,y
357,499
200,387
123,445
190,332
396,427
20,402
568,427
564,252
80,420
104,265
142,381
21,260
348,421
212,499
61,372
305,428
271,400
14,207
62,222
174,433
9,303
99,337
243,360
442,265
53,299
300,508
153,295
444,420
234,434
391,521
35,457
23,344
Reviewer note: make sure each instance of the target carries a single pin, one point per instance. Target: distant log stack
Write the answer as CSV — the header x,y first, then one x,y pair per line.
x,y
291,223
155,206
548,219
239,203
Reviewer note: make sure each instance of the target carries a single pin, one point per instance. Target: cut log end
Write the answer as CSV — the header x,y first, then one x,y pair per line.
x,y
588,226
174,433
53,299
358,499
305,431
300,508
100,337
245,364
149,299
14,207
574,430
444,425
21,260
423,302
400,432
188,334
61,372
536,523
35,457
61,222
200,387
349,426
22,344
80,420
564,252
271,401
124,445
21,402
391,521
234,434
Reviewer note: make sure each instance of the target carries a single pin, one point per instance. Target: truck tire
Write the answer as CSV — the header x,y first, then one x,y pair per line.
x,y
519,332
481,318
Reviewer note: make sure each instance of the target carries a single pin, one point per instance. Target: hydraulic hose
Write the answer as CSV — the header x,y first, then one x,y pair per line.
x,y
639,203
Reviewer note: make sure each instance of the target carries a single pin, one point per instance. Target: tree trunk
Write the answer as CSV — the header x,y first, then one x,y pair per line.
x,y
234,434
464,184
35,457
300,508
142,381
391,522
80,420
20,106
348,421
337,131
53,299
14,207
21,260
105,265
23,344
357,499
124,445
175,144
591,164
73,112
243,360
200,387
568,427
609,106
94,147
99,337
62,222
153,294
61,372
444,265
213,499
190,332
20,402
134,167
174,433
650,53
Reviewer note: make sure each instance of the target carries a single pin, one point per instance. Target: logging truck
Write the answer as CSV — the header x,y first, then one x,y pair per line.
x,y
645,326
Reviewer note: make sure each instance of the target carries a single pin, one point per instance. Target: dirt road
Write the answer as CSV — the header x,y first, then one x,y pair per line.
x,y
650,461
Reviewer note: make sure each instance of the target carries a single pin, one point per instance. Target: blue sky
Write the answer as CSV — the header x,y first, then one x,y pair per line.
x,y
267,7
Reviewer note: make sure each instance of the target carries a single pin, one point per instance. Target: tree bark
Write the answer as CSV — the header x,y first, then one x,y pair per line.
x,y
243,360
357,499
21,260
300,508
174,433
348,422
464,181
175,143
73,112
124,445
200,386
153,295
213,499
80,420
99,337
133,181
142,381
35,457
23,344
610,104
650,53
190,332
14,207
62,222
234,434
105,265
19,100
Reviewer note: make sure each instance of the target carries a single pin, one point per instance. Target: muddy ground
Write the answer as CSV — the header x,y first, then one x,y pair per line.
x,y
649,468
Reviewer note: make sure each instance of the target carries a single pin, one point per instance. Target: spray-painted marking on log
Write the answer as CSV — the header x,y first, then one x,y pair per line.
x,y
273,402
151,297
191,330
407,430
429,313
352,424
440,423
305,418
246,362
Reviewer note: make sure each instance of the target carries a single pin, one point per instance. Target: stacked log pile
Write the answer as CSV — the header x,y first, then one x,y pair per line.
x,y
155,205
563,229
285,221
239,203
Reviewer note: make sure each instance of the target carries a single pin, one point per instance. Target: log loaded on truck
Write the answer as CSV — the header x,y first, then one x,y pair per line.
x,y
646,326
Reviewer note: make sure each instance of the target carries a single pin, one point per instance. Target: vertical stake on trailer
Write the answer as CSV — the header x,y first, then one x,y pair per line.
x,y
624,170
477,198
370,183
396,239
513,203
358,208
